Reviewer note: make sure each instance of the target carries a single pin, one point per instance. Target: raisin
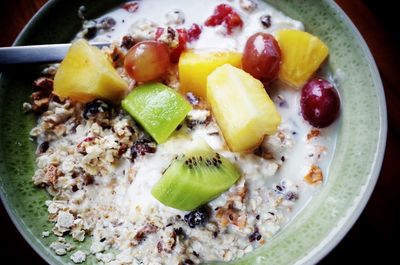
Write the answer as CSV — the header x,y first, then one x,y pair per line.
x,y
291,196
94,107
127,42
197,217
43,147
107,23
91,32
266,21
188,262
255,235
193,100
141,147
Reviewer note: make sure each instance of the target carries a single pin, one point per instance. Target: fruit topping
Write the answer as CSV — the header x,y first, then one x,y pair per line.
x,y
241,107
147,61
319,103
195,66
194,32
302,55
175,39
142,147
94,108
225,15
195,178
262,57
157,108
266,21
131,6
176,53
86,74
197,217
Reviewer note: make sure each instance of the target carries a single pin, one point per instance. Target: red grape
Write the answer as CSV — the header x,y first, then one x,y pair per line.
x,y
225,15
319,103
262,57
147,60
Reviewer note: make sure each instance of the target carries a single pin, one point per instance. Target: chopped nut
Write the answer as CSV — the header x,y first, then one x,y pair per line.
x,y
51,175
43,84
248,5
117,57
78,256
175,17
229,215
314,176
313,133
40,101
170,37
142,233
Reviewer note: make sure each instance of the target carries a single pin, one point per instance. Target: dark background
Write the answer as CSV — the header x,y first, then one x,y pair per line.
x,y
376,233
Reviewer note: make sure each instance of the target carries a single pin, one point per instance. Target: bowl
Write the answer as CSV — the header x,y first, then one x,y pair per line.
x,y
314,231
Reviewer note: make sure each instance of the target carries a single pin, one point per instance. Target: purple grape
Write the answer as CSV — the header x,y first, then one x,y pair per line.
x,y
319,103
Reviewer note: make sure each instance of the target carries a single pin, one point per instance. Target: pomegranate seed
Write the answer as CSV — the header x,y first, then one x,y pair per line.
x,y
225,15
194,32
131,6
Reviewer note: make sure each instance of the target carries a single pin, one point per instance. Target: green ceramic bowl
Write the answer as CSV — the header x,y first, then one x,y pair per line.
x,y
315,231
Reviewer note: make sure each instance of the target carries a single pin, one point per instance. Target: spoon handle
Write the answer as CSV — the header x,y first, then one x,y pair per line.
x,y
47,53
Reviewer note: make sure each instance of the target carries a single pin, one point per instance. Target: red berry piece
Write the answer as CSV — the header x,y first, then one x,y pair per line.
x,y
319,103
175,51
225,15
194,32
183,38
262,57
131,6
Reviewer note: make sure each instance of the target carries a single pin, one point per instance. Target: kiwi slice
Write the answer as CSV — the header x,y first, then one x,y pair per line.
x,y
157,108
195,178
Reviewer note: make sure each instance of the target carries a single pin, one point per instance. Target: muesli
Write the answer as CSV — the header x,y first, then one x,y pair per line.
x,y
195,137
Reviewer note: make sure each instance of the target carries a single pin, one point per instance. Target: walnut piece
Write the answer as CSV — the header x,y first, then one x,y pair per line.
x,y
314,176
313,133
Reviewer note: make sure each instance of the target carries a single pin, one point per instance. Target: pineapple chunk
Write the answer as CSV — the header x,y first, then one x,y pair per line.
x,y
195,66
242,107
86,74
302,55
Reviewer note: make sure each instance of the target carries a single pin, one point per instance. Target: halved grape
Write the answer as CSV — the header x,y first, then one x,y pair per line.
x,y
262,57
147,61
319,103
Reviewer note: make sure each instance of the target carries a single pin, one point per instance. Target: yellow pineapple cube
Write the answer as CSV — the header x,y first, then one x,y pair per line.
x,y
86,74
302,55
195,66
243,110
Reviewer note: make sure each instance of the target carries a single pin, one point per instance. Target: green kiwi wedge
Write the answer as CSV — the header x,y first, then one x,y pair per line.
x,y
195,178
157,108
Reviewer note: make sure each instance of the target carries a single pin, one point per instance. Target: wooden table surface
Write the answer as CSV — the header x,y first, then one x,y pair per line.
x,y
373,237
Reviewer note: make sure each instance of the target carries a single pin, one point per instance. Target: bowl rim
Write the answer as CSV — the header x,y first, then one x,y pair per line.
x,y
353,213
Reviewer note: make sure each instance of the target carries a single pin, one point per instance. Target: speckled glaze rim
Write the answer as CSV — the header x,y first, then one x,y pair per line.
x,y
13,217
353,212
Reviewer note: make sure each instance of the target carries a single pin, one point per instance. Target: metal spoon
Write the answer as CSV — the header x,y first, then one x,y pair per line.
x,y
48,53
